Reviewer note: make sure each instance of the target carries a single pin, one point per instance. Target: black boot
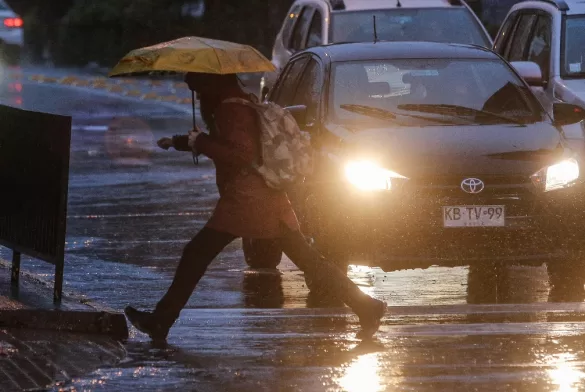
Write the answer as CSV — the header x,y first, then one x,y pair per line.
x,y
371,319
148,323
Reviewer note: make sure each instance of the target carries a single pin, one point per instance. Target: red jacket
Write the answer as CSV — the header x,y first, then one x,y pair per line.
x,y
247,207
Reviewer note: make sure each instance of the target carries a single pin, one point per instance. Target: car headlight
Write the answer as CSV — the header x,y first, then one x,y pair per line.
x,y
368,176
557,176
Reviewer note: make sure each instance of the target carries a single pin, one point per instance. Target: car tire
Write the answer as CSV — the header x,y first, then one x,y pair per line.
x,y
566,279
323,235
262,253
482,283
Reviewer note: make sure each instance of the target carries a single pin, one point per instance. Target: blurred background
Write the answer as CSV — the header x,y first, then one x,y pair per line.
x,y
96,33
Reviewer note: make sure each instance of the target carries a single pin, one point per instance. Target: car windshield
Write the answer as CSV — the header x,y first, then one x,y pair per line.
x,y
456,25
574,47
429,91
3,6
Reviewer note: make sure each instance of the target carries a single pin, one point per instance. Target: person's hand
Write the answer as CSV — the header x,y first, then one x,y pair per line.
x,y
193,135
165,143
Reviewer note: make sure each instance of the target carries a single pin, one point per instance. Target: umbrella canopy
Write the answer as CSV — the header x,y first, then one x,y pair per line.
x,y
194,54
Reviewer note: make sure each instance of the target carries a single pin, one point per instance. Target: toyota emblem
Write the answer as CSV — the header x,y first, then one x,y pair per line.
x,y
472,185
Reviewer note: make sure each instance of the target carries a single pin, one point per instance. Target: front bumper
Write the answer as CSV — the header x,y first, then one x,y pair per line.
x,y
404,230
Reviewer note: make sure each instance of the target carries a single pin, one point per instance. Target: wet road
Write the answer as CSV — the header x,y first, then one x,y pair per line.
x,y
132,208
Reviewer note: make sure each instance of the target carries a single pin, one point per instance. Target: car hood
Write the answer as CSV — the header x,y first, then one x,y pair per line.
x,y
456,150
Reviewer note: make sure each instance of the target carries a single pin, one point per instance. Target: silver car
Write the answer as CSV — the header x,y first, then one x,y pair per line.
x,y
317,22
548,38
550,34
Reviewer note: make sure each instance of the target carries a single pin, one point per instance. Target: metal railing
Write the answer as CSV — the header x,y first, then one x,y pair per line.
x,y
34,178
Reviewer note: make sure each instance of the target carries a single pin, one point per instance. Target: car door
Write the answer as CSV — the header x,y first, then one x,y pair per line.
x,y
308,92
299,35
527,36
300,84
505,33
539,51
283,48
518,42
315,34
285,89
289,25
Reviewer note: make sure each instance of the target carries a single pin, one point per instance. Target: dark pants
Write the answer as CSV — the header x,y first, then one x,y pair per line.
x,y
208,243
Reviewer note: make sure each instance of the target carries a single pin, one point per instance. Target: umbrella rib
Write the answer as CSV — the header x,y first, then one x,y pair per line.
x,y
215,53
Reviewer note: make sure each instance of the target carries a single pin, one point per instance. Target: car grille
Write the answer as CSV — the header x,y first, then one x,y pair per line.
x,y
515,192
408,221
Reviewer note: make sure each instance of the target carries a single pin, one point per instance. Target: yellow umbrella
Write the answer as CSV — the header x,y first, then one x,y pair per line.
x,y
194,54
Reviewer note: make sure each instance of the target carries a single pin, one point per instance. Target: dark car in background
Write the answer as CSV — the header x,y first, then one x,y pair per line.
x,y
431,154
11,35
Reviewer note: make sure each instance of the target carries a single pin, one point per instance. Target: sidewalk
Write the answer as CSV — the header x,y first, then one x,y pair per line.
x,y
43,345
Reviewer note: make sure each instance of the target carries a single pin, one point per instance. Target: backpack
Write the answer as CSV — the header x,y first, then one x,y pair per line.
x,y
284,148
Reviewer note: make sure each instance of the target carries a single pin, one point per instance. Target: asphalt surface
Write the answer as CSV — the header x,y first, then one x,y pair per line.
x,y
133,207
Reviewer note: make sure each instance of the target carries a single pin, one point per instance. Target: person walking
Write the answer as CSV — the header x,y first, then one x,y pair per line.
x,y
247,208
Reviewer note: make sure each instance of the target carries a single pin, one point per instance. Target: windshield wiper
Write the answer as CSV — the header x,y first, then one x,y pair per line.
x,y
456,110
528,155
369,111
384,114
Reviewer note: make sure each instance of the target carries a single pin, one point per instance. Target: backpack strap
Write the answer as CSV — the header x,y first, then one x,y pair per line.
x,y
240,101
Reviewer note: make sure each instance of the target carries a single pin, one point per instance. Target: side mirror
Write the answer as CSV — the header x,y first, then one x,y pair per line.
x,y
567,114
530,72
299,112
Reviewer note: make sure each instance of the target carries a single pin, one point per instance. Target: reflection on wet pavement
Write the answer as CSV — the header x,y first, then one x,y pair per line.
x,y
131,211
316,351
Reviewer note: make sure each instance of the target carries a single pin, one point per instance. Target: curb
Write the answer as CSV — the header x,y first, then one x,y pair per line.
x,y
98,323
183,109
98,320
128,89
47,285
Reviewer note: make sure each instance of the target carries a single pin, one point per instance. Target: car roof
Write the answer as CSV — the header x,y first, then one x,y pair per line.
x,y
570,7
355,5
399,50
576,7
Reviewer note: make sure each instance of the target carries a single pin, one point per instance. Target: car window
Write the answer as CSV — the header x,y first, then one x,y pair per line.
x,y
574,47
439,85
539,46
287,84
402,24
503,38
521,35
315,37
309,89
300,30
289,23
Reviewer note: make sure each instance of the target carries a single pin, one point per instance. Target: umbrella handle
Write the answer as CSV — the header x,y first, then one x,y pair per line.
x,y
195,157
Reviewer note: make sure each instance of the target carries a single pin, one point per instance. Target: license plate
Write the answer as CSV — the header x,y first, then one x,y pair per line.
x,y
474,216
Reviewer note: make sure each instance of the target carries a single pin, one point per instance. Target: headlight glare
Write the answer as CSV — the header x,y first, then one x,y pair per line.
x,y
557,176
368,176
